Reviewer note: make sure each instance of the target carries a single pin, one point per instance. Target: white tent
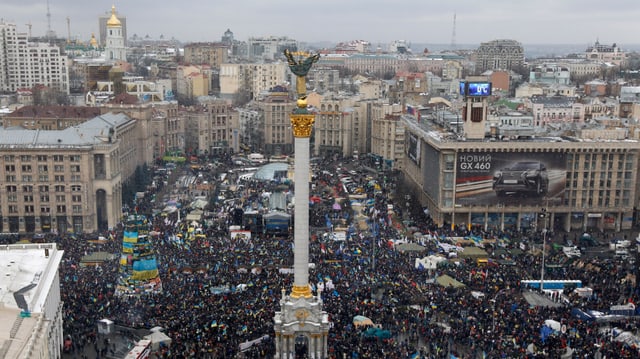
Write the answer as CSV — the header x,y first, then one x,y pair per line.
x,y
429,262
157,338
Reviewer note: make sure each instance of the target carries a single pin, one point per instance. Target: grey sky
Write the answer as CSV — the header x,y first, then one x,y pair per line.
x,y
376,21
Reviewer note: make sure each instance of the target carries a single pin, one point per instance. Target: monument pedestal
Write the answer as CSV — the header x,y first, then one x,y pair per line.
x,y
301,326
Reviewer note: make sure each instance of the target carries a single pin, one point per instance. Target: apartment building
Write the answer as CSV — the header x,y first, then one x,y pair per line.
x,y
209,53
499,55
251,80
25,64
211,128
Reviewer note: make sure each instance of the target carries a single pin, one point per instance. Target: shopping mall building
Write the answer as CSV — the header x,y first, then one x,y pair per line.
x,y
557,182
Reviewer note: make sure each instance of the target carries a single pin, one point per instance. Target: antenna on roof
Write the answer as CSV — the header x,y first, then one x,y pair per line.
x,y
453,33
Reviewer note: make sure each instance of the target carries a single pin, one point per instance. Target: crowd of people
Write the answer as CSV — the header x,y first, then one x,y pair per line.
x,y
218,292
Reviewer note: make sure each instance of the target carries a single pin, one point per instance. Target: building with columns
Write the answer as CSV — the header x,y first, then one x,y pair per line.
x,y
66,180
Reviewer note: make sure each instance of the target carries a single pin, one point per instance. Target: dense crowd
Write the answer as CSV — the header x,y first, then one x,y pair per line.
x,y
369,277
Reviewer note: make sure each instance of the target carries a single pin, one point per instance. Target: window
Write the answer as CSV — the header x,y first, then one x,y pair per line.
x,y
76,178
10,178
43,178
43,168
42,158
76,188
43,188
59,178
26,168
27,189
12,197
77,209
61,198
58,168
9,158
59,188
75,168
74,158
13,208
12,188
44,197
27,178
61,208
28,198
10,168
58,158
76,198
25,158
45,210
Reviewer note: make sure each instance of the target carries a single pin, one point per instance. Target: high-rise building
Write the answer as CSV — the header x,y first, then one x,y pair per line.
x,y
24,64
499,55
269,48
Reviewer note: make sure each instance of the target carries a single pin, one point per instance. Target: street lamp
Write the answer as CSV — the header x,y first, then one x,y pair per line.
x,y
543,216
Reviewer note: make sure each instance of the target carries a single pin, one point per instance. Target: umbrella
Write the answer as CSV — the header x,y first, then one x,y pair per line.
x,y
360,320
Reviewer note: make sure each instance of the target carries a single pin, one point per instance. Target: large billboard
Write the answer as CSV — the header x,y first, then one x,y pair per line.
x,y
413,150
512,178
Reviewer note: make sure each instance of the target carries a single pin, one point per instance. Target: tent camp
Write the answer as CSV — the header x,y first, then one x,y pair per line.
x,y
447,281
158,338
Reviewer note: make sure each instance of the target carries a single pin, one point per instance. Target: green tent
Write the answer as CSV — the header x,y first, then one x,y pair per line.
x,y
446,281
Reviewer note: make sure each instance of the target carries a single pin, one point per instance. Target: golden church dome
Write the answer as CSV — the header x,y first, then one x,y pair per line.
x,y
113,20
93,42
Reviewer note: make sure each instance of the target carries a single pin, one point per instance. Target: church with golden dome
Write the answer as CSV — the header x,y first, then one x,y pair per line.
x,y
115,49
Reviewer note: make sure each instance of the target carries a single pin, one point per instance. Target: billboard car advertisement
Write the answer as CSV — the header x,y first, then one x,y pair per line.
x,y
510,178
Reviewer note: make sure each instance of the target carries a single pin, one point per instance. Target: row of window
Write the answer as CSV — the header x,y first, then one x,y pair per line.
x,y
13,198
42,188
60,209
41,168
42,178
41,158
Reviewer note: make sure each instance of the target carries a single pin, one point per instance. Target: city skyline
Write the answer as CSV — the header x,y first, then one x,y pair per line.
x,y
415,21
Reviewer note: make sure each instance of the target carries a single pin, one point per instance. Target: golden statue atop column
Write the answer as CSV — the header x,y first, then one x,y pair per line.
x,y
300,63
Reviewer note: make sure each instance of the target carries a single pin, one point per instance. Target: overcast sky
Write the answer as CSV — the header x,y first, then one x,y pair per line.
x,y
376,21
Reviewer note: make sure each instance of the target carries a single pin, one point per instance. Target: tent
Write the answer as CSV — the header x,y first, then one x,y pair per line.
x,y
429,262
158,338
410,247
473,252
377,333
360,320
447,281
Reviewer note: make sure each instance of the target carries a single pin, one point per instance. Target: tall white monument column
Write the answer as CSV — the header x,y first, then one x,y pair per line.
x,y
301,326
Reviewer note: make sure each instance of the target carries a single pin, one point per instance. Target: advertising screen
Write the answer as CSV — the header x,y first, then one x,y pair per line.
x,y
463,88
486,178
479,89
413,150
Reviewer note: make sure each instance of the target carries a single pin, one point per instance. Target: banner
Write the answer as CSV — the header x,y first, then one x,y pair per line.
x,y
130,237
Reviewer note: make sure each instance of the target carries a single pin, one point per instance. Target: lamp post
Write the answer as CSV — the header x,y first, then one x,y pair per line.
x,y
543,216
